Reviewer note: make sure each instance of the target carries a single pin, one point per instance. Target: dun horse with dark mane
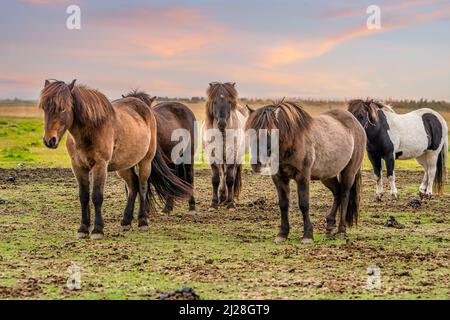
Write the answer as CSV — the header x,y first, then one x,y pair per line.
x,y
328,147
170,117
223,115
105,136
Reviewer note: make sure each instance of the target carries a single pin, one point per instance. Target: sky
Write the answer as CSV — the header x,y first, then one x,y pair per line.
x,y
309,49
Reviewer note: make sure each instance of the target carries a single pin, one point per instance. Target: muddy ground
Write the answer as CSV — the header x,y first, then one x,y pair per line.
x,y
223,255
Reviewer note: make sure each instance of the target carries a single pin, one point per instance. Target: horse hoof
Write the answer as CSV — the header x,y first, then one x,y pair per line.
x,y
232,209
341,235
329,234
307,241
394,196
280,239
96,236
211,209
126,227
378,198
192,212
143,228
82,235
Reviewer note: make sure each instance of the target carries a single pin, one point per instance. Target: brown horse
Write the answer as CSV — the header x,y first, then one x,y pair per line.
x,y
172,116
328,147
224,116
105,136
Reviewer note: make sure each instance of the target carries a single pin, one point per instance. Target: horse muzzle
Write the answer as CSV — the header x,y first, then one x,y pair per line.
x,y
222,125
51,143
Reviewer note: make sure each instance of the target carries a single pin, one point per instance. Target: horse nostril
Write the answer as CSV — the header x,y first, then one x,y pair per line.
x,y
52,142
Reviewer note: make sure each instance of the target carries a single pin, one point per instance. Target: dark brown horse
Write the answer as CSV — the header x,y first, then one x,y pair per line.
x,y
170,118
328,147
105,136
225,117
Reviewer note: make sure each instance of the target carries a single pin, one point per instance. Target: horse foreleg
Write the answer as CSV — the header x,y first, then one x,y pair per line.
x,y
283,190
334,186
376,164
303,203
82,176
145,167
215,180
132,182
390,164
230,178
99,173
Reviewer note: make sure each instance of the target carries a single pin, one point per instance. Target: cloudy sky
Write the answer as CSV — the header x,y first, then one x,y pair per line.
x,y
318,49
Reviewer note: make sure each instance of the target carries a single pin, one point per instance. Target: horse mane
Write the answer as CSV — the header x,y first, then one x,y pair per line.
x,y
384,106
90,107
141,95
287,116
216,90
359,107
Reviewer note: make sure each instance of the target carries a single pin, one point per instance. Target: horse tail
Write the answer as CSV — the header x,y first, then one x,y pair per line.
x,y
165,182
441,167
238,181
354,201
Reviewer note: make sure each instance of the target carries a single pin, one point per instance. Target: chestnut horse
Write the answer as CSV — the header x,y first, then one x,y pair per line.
x,y
105,136
225,117
328,147
172,116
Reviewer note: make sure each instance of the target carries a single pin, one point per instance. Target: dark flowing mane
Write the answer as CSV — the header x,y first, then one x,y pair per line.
x,y
288,117
141,95
90,107
216,90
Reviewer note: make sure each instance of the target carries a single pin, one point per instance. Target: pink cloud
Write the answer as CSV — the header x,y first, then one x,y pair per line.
x,y
47,2
293,51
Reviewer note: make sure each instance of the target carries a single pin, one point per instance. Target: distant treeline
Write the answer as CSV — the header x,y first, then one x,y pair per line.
x,y
397,104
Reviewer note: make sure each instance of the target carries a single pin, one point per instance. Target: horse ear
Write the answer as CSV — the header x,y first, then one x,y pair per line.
x,y
72,84
123,96
46,83
233,84
250,110
154,98
211,84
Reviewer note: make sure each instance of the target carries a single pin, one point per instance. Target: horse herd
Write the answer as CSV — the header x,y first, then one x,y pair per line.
x,y
134,138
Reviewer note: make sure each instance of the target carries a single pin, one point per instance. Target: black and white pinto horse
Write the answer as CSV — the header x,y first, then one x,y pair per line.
x,y
420,134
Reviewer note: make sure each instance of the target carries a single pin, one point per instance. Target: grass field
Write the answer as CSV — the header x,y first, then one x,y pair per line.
x,y
221,254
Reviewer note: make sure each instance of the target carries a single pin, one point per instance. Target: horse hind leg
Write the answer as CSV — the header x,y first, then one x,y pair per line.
x,y
422,160
168,207
132,183
431,172
189,177
145,167
334,186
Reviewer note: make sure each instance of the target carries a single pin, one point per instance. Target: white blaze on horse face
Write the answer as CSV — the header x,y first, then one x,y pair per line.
x,y
213,144
181,152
